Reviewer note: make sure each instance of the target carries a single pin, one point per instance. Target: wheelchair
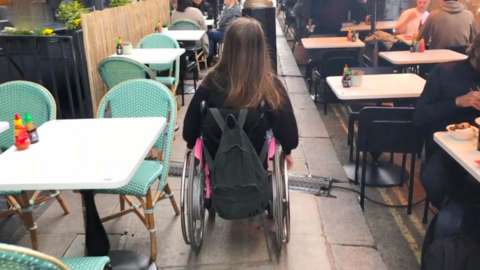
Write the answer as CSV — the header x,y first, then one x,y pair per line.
x,y
194,201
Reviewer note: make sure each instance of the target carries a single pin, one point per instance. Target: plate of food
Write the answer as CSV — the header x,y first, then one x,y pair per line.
x,y
462,131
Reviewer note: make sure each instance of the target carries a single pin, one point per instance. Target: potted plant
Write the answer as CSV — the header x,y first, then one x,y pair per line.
x,y
70,13
118,3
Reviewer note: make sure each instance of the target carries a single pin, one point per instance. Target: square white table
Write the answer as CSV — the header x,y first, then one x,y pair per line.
x,y
185,35
153,56
209,22
313,43
434,56
83,154
362,27
379,87
4,126
464,152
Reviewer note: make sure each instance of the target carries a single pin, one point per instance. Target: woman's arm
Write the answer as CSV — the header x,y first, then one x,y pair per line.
x,y
192,124
284,124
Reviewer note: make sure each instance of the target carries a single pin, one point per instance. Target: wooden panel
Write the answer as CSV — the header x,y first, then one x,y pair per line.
x,y
101,29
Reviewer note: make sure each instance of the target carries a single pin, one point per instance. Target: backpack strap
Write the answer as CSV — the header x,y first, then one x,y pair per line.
x,y
218,118
264,151
242,117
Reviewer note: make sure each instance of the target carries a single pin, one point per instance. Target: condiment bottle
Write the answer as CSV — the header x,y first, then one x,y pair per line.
x,y
346,78
421,45
119,47
31,129
22,141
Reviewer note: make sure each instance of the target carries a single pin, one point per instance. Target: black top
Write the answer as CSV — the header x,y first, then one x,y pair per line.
x,y
436,106
282,122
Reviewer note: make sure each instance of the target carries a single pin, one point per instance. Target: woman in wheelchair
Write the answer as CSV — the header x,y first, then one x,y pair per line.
x,y
231,114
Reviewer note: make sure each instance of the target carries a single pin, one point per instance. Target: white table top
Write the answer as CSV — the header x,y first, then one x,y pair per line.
x,y
81,154
154,56
381,25
379,86
330,43
407,39
4,126
185,35
209,22
428,57
464,152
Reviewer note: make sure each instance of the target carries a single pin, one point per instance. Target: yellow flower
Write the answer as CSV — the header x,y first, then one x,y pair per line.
x,y
77,22
47,32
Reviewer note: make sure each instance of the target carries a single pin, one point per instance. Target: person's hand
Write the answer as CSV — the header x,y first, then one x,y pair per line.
x,y
289,160
470,99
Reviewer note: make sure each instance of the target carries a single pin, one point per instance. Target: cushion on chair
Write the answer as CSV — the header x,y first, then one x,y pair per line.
x,y
166,80
86,263
143,178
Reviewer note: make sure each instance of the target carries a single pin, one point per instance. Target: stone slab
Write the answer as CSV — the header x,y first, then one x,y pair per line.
x,y
358,258
321,157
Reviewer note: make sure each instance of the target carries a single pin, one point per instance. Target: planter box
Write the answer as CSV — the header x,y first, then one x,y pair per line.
x,y
57,62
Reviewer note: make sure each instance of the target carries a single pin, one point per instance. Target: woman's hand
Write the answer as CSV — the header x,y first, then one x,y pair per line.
x,y
289,160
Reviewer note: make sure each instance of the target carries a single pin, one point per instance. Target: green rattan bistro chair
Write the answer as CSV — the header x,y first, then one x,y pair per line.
x,y
19,258
157,41
26,97
114,70
144,98
196,48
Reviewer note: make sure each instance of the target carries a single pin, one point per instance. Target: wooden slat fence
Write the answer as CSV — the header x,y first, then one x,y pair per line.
x,y
101,29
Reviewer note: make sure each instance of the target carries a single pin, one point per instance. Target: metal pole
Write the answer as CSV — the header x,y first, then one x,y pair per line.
x,y
373,29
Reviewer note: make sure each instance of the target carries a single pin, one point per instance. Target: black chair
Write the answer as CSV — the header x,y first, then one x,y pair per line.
x,y
387,129
353,109
331,64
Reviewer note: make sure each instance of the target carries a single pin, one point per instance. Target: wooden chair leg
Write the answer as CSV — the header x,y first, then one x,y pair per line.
x,y
169,193
62,203
150,221
28,220
122,202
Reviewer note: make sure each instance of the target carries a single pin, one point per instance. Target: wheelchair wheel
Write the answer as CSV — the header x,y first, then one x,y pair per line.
x,y
192,202
281,203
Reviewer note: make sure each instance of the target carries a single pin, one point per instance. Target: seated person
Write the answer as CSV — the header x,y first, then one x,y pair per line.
x,y
185,11
450,95
411,19
450,26
202,6
229,85
230,12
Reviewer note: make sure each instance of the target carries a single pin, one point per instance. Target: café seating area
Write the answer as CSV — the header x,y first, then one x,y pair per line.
x,y
95,172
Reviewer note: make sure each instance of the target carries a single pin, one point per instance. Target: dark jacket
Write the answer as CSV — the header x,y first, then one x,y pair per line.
x,y
282,121
436,106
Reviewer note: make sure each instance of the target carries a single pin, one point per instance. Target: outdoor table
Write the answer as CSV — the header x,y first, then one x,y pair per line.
x,y
406,39
84,154
153,56
209,22
363,27
185,35
433,56
379,88
382,87
4,126
314,43
463,151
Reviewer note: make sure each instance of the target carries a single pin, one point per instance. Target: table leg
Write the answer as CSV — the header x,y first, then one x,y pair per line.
x,y
96,239
97,243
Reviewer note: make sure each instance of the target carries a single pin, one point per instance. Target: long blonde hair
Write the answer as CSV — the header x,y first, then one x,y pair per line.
x,y
244,70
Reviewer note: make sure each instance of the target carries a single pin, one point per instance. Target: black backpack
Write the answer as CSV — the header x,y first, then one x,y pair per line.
x,y
239,180
451,241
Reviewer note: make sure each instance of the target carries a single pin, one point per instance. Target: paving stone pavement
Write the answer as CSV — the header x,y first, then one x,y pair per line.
x,y
327,233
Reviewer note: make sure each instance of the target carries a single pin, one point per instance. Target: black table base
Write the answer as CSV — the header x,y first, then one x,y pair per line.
x,y
97,243
380,174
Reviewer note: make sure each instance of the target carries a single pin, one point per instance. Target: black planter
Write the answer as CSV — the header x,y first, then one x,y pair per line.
x,y
57,62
